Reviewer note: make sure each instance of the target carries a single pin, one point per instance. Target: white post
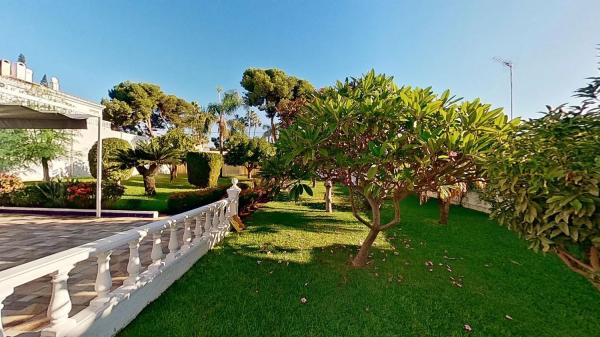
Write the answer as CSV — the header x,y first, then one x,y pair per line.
x,y
99,170
103,278
233,195
3,295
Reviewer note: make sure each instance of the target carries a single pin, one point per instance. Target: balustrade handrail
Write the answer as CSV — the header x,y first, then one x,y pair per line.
x,y
32,270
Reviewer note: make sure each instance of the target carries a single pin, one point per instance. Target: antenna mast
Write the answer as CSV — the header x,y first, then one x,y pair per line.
x,y
508,64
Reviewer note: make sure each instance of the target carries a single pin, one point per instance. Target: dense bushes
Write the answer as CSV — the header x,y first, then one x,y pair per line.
x,y
110,169
9,183
185,201
59,193
204,168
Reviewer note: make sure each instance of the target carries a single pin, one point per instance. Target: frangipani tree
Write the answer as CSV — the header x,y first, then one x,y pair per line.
x,y
384,142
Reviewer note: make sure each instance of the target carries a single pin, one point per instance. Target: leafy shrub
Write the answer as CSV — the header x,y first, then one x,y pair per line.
x,y
110,169
54,193
204,168
59,193
29,196
543,184
9,183
185,201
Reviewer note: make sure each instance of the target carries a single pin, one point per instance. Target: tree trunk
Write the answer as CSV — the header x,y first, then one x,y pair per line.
x,y
595,258
273,131
149,185
328,198
172,172
149,126
249,170
314,182
360,260
46,169
148,175
444,206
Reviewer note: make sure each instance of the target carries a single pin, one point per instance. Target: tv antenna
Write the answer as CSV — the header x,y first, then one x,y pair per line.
x,y
508,64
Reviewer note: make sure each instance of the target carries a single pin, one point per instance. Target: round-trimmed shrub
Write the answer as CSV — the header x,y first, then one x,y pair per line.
x,y
203,168
110,169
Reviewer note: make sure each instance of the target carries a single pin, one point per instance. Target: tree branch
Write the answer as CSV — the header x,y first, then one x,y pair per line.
x,y
355,211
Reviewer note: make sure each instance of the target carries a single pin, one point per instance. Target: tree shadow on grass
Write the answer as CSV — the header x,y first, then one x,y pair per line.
x,y
303,221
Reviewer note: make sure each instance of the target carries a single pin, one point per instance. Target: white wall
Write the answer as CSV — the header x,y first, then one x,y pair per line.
x,y
75,163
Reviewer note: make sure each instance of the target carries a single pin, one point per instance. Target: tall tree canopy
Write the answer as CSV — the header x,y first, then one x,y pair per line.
x,y
267,88
142,108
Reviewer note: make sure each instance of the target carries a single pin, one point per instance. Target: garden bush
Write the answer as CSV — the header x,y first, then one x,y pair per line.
x,y
9,183
204,168
60,193
110,169
185,201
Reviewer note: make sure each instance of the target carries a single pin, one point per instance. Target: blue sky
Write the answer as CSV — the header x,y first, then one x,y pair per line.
x,y
191,47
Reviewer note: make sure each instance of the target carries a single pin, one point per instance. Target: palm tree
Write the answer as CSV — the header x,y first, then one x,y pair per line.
x,y
231,101
146,157
253,121
268,132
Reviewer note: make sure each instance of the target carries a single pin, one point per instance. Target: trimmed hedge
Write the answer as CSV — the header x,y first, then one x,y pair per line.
x,y
204,168
110,171
185,201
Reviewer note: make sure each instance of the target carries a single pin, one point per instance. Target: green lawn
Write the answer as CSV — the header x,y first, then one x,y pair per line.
x,y
134,198
252,283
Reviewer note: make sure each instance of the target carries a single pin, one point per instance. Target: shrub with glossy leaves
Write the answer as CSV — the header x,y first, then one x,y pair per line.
x,y
543,184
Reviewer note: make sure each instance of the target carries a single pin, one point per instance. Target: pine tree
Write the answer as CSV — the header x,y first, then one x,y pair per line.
x,y
21,58
44,81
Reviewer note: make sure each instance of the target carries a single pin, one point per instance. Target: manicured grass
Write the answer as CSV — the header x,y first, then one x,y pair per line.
x,y
135,199
252,283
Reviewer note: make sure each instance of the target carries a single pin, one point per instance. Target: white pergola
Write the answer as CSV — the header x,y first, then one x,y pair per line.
x,y
26,105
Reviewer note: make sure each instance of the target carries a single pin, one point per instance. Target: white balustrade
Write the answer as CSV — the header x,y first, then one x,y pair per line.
x,y
211,225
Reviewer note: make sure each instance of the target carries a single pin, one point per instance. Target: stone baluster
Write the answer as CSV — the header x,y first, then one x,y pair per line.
x,y
60,301
4,293
173,242
222,215
187,233
199,230
157,253
215,218
134,265
103,278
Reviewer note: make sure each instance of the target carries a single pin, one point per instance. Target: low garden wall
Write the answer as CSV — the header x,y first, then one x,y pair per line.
x,y
112,310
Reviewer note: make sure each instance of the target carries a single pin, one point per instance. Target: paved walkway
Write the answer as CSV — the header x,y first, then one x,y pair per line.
x,y
24,238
